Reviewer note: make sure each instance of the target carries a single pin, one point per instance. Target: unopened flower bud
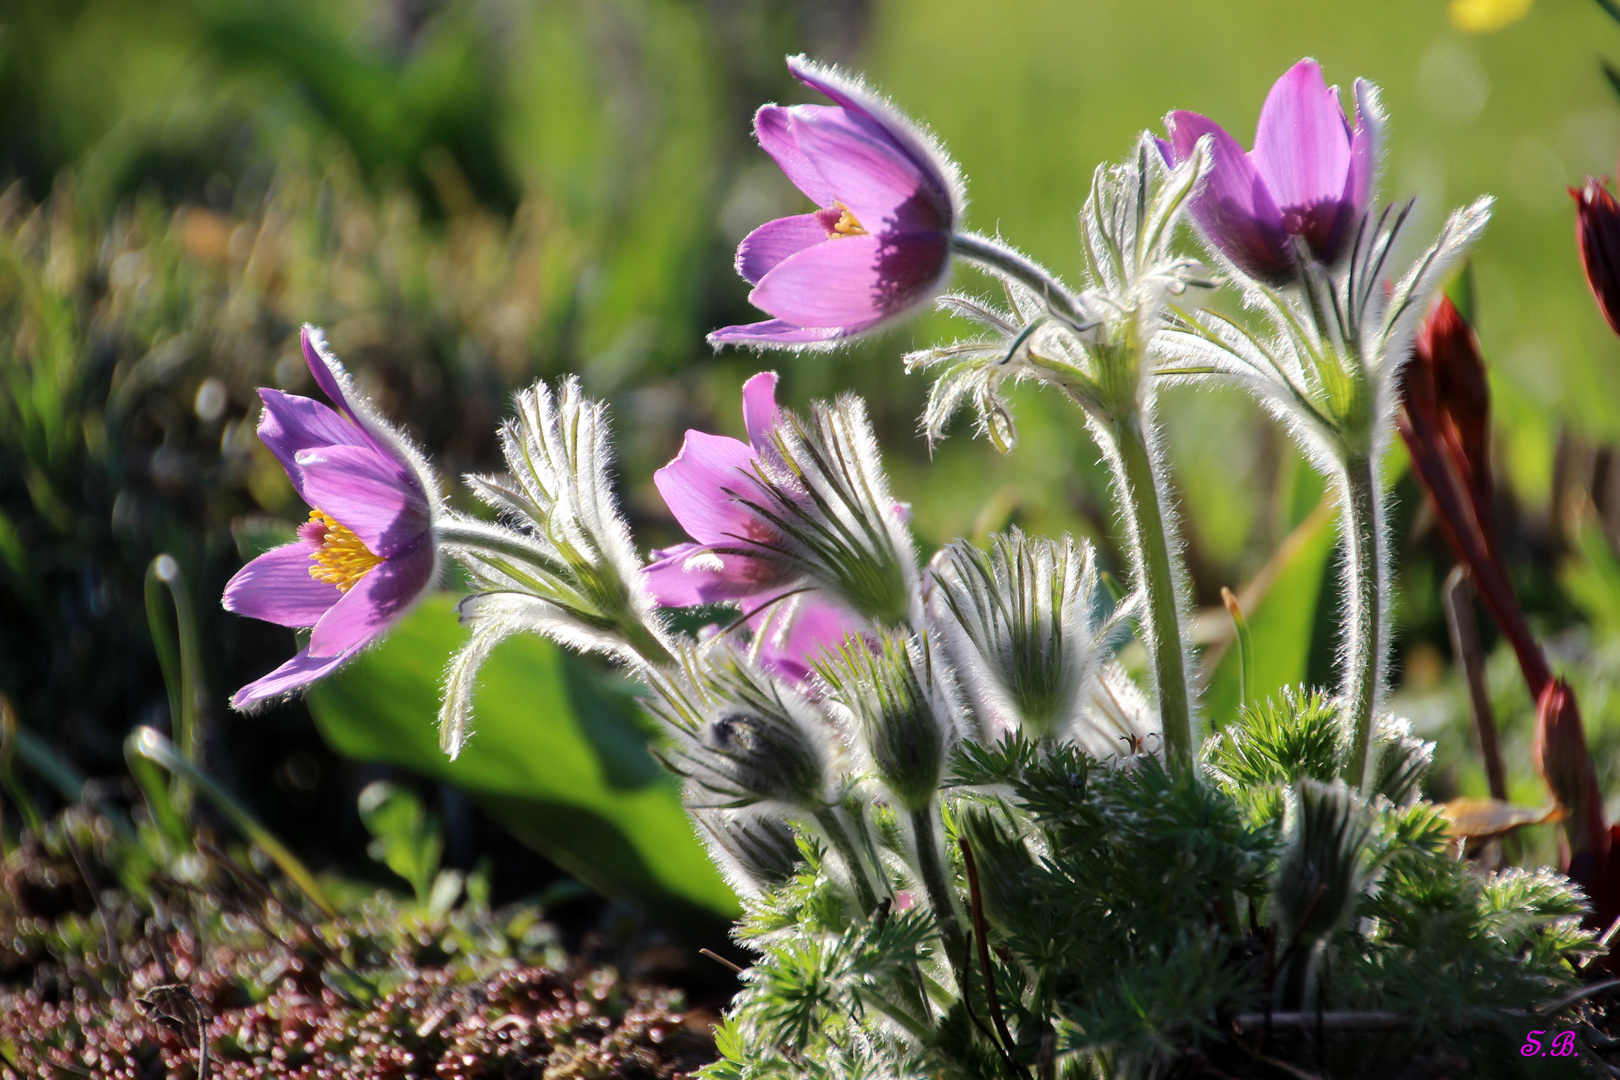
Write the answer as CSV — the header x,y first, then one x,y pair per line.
x,y
1597,235
1446,383
902,710
755,851
741,735
1016,622
1561,755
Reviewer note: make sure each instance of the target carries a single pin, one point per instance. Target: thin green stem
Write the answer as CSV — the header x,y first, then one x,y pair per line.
x,y
827,818
1363,610
940,893
1161,615
996,256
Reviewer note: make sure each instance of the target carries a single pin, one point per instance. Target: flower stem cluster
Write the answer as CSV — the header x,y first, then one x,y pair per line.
x,y
970,842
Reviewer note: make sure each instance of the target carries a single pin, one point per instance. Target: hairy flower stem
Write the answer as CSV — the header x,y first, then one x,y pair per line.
x,y
1000,259
1364,614
1160,619
827,818
940,893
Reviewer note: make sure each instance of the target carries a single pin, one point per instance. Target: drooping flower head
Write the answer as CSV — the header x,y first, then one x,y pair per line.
x,y
1308,179
1597,234
705,488
367,552
878,245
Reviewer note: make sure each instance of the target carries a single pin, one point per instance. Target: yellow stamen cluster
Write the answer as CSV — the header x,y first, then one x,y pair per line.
x,y
846,225
343,558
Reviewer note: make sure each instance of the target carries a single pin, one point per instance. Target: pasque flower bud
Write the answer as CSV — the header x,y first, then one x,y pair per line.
x,y
1597,235
1560,753
741,736
902,712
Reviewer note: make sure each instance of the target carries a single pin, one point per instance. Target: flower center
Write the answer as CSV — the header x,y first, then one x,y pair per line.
x,y
846,225
342,557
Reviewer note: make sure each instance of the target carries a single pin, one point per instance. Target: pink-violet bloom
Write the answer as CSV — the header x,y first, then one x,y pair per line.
x,y
879,244
367,552
1309,176
703,487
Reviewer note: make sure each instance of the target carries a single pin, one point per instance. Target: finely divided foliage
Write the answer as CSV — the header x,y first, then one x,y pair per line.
x,y
970,841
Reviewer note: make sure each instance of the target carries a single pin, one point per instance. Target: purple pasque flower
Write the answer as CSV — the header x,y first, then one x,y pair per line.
x,y
1309,176
701,488
367,552
879,244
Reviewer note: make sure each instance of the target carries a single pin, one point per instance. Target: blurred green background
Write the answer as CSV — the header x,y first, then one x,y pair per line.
x,y
471,195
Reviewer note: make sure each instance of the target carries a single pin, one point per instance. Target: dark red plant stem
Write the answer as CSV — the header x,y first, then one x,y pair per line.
x,y
1466,540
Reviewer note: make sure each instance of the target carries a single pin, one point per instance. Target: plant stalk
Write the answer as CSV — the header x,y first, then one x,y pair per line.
x,y
997,257
1160,619
827,818
1364,610
940,893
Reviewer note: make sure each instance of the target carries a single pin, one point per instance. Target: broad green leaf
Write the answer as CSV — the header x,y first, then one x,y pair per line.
x,y
1281,608
558,755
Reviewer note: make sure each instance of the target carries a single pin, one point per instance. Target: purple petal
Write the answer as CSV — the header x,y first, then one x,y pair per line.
x,y
290,423
276,587
300,671
773,127
1363,148
939,175
367,492
694,487
777,332
1302,146
842,91
796,635
854,280
774,241
759,408
380,597
668,581
325,367
688,575
869,172
1233,208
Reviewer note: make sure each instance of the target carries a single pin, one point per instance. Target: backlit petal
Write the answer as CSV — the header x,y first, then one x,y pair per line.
x,y
774,241
773,127
325,367
276,587
290,423
688,575
1233,208
778,332
694,487
367,492
939,173
797,632
853,281
869,172
1302,145
759,407
1364,148
296,673
380,597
